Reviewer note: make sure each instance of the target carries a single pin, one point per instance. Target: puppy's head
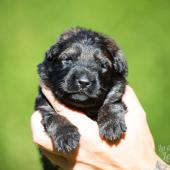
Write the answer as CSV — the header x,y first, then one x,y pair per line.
x,y
81,67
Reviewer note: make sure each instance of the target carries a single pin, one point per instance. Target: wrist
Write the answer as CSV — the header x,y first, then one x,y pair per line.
x,y
147,162
155,163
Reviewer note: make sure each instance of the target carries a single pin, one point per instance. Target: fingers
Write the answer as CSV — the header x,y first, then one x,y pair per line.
x,y
39,136
135,110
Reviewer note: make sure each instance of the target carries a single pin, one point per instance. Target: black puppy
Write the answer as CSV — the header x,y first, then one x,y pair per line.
x,y
85,70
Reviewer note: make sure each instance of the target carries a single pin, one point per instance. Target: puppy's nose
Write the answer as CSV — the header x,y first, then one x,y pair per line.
x,y
83,82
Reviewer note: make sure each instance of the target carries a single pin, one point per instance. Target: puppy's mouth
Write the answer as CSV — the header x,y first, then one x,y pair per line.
x,y
82,98
81,95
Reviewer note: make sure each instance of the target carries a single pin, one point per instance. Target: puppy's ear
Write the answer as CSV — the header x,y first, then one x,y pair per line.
x,y
59,46
53,51
119,62
69,33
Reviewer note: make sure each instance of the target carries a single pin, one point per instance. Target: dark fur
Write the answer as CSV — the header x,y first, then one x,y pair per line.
x,y
85,70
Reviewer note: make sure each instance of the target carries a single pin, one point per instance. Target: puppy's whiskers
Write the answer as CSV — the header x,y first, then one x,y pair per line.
x,y
59,85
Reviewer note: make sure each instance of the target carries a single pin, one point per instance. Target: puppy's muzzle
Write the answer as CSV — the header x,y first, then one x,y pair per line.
x,y
80,79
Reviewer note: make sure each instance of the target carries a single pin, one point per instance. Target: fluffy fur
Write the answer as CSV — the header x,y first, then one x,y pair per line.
x,y
85,70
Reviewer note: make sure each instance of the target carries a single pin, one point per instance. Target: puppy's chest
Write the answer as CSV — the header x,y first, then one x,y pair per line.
x,y
91,113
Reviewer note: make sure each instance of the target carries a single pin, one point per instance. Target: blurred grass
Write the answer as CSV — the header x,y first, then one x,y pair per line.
x,y
28,28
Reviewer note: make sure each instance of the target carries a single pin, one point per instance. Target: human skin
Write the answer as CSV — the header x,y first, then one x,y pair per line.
x,y
135,151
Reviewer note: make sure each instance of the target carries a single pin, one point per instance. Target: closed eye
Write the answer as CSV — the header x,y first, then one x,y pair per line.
x,y
102,64
104,67
67,60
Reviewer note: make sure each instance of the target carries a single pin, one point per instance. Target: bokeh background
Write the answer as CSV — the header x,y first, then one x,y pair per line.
x,y
28,28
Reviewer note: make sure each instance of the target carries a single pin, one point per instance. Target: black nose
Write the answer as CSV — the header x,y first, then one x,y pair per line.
x,y
83,82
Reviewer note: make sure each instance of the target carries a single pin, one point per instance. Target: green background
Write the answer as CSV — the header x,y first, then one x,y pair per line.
x,y
28,28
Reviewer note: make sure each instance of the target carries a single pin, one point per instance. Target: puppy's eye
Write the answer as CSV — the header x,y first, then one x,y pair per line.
x,y
67,61
104,67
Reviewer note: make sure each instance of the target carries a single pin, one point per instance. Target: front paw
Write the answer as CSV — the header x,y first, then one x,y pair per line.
x,y
112,129
66,139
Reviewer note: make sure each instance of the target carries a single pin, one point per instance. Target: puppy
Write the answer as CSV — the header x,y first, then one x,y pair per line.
x,y
87,71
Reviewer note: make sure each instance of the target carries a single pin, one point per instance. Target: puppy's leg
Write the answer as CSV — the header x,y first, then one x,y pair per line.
x,y
64,135
111,115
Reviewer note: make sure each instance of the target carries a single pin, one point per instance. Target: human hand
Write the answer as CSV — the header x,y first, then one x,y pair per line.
x,y
134,151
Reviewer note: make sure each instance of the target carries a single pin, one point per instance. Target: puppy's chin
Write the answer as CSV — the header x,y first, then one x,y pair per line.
x,y
79,97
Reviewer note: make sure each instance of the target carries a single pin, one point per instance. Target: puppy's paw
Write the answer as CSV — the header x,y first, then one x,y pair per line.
x,y
111,121
66,139
112,129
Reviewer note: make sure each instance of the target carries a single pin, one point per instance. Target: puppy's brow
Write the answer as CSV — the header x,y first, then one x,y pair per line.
x,y
74,50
